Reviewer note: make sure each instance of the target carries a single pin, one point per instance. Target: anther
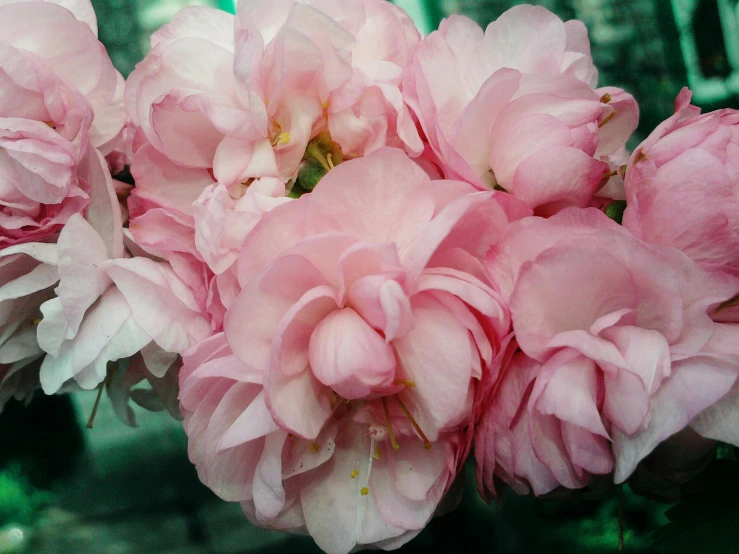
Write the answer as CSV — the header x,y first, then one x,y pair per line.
x,y
364,491
354,473
314,447
605,98
282,138
405,382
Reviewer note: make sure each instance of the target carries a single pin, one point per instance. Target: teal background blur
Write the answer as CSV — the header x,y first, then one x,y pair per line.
x,y
115,490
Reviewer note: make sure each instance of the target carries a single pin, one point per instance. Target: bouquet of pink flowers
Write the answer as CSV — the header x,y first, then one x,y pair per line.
x,y
353,256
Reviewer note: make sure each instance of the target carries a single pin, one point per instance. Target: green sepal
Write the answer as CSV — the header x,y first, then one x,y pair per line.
x,y
615,210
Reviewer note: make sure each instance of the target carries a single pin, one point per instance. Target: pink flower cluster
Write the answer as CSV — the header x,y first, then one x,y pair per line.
x,y
354,254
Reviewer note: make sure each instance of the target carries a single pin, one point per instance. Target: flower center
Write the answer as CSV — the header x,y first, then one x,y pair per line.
x,y
321,155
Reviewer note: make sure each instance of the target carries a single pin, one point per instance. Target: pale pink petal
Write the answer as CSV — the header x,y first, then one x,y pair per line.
x,y
440,369
298,403
567,388
695,384
269,496
349,356
253,423
270,295
721,420
558,177
574,299
331,498
82,280
377,198
99,326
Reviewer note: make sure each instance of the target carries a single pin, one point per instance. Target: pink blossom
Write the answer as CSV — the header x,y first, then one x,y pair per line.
x,y
215,113
243,95
344,487
222,222
622,345
682,186
58,88
27,274
108,308
197,225
514,107
375,322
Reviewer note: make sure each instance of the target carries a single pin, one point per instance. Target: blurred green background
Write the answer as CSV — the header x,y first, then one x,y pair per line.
x,y
115,490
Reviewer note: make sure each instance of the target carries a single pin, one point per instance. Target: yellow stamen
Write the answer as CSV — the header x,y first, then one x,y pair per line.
x,y
377,453
364,491
354,473
314,447
605,98
330,161
390,431
607,119
405,382
282,138
321,160
325,105
416,426
36,320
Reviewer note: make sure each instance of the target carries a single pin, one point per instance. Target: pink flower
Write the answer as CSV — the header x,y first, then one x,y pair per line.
x,y
197,225
244,95
109,308
58,88
27,274
222,221
514,107
375,322
344,487
216,113
621,346
682,186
